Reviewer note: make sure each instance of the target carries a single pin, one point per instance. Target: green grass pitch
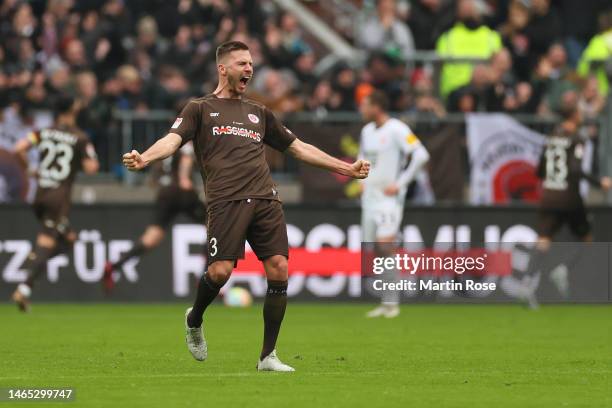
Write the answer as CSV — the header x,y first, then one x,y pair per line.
x,y
431,356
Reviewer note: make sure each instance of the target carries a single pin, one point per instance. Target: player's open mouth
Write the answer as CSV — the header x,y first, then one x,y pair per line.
x,y
245,80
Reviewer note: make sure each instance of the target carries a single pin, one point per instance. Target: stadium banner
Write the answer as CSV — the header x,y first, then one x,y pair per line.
x,y
326,257
444,143
504,156
445,146
339,140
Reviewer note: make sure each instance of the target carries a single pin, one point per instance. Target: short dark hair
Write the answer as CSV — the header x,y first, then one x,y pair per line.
x,y
230,46
379,99
569,105
63,104
568,112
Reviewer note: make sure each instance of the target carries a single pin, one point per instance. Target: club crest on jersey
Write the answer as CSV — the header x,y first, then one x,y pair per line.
x,y
253,118
177,123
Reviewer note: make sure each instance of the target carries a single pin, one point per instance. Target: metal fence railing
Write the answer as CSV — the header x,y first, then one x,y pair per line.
x,y
138,130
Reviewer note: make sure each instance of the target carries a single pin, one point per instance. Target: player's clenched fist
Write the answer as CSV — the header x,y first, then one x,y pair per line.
x,y
361,169
133,161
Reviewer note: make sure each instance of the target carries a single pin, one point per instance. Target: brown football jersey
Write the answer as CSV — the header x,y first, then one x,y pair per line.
x,y
62,150
561,171
228,137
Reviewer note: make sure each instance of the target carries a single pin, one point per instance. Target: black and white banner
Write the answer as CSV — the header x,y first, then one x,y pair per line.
x,y
504,156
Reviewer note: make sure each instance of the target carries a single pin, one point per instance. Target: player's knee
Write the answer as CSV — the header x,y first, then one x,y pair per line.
x,y
46,240
278,262
277,267
71,238
543,244
151,242
219,272
152,237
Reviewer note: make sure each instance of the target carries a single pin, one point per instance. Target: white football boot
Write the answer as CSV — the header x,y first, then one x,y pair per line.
x,y
196,343
376,312
388,311
560,278
272,363
392,311
21,297
531,287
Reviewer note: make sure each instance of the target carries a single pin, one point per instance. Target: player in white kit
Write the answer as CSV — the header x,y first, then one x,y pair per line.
x,y
388,144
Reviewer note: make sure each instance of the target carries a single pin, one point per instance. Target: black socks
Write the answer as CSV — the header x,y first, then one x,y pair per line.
x,y
38,263
274,307
207,292
273,313
136,250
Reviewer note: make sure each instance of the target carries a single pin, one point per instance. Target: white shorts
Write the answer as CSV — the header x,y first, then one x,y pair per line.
x,y
381,222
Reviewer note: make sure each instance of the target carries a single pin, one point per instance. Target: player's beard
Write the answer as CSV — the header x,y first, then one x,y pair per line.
x,y
236,86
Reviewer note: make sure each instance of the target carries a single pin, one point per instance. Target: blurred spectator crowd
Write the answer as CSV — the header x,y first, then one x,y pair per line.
x,y
515,56
141,55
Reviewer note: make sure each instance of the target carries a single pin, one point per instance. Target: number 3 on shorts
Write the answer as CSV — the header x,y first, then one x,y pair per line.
x,y
213,246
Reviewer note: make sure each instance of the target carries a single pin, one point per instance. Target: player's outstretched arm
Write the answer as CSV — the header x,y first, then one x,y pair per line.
x,y
316,157
164,147
21,149
185,167
419,157
90,165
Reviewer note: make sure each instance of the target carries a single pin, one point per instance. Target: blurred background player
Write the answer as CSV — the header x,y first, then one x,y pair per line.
x,y
64,150
177,195
387,143
561,171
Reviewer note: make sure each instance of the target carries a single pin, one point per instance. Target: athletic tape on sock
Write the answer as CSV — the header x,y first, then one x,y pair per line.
x,y
277,288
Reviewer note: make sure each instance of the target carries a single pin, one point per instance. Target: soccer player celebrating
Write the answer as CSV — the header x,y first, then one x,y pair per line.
x,y
229,133
177,195
560,169
387,143
64,150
